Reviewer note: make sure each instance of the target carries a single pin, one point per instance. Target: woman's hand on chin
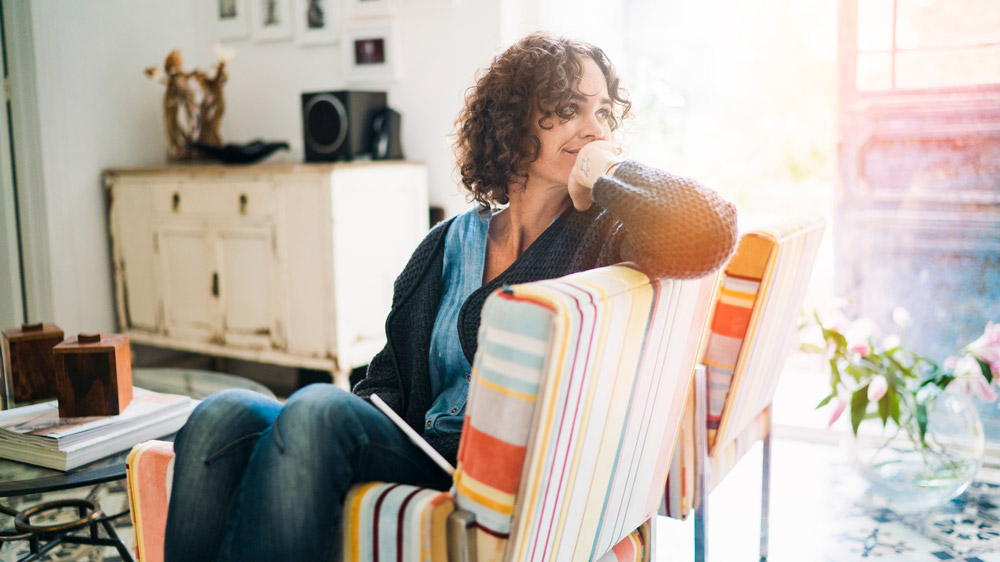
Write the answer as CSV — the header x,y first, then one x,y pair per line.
x,y
594,159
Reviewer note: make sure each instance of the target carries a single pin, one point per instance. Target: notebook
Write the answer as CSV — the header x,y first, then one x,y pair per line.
x,y
415,437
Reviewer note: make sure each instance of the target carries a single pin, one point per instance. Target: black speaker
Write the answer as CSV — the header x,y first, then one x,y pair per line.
x,y
385,135
338,125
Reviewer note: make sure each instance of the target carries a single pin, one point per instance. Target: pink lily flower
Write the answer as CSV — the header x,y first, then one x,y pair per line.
x,y
969,380
877,388
987,347
838,408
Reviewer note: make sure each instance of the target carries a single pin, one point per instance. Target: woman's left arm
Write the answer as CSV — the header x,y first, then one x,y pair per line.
x,y
670,226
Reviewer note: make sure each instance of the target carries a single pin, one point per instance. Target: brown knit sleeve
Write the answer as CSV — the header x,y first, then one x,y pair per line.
x,y
671,226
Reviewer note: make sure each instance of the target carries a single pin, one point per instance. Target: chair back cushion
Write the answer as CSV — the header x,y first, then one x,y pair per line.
x,y
577,392
753,321
788,249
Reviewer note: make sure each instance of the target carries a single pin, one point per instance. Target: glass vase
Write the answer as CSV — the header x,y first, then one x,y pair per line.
x,y
910,473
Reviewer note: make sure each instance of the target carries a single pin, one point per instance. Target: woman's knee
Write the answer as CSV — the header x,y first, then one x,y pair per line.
x,y
320,413
228,415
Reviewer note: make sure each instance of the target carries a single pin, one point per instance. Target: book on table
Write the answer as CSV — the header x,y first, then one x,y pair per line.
x,y
36,434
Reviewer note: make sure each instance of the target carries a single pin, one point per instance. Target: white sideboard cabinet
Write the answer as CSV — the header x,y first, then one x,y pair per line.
x,y
289,264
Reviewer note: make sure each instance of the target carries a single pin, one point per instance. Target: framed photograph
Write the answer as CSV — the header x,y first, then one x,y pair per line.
x,y
231,20
369,8
370,52
317,22
271,20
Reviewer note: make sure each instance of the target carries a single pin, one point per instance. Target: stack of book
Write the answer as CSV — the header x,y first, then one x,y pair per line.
x,y
36,434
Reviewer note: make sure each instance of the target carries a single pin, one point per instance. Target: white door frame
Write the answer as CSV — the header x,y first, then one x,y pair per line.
x,y
27,164
11,301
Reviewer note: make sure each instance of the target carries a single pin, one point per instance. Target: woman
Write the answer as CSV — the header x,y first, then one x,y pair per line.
x,y
258,480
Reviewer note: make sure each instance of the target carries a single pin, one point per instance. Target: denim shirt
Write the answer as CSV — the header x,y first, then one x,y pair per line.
x,y
461,274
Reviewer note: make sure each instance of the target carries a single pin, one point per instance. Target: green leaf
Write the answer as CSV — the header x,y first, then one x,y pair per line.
x,y
883,407
836,336
826,400
812,348
921,417
985,368
856,372
859,403
834,374
893,405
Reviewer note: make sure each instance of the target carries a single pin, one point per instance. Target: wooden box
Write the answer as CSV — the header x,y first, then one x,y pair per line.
x,y
29,363
94,375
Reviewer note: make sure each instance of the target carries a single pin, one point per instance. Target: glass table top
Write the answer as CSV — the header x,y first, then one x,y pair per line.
x,y
18,478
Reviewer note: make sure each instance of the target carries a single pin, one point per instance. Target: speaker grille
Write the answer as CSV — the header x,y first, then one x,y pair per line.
x,y
326,123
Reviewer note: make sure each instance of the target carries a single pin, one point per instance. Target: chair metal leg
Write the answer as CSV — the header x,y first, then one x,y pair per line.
x,y
701,522
651,541
701,448
765,499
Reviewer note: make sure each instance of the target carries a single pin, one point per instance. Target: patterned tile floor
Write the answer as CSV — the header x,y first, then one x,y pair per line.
x,y
112,497
820,512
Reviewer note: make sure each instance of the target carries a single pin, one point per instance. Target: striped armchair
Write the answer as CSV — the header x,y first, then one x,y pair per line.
x,y
729,406
576,398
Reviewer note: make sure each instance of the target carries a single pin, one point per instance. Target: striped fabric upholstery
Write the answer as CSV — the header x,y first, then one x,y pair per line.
x,y
581,435
752,325
149,472
576,398
729,325
636,547
396,522
791,246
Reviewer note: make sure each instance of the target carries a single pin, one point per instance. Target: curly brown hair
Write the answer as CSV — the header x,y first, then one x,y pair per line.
x,y
494,138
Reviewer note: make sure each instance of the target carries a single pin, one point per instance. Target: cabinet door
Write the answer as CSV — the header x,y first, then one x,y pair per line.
x,y
134,255
190,281
247,273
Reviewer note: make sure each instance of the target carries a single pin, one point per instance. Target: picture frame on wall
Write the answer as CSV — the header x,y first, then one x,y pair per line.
x,y
371,52
317,22
271,20
370,8
231,19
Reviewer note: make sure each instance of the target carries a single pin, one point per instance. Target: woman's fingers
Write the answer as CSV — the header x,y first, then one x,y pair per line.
x,y
592,160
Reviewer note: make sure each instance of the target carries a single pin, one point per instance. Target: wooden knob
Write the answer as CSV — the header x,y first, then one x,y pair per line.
x,y
89,337
33,327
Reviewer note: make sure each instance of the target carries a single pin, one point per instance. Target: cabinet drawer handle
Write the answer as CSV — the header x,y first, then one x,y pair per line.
x,y
243,203
215,284
177,201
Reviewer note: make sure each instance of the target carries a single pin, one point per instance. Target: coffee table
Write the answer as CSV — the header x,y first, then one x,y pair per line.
x,y
17,479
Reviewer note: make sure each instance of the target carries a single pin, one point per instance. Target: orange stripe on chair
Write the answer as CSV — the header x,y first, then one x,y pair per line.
x,y
731,320
497,462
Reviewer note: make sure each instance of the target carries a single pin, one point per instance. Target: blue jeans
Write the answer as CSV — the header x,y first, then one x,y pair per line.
x,y
258,480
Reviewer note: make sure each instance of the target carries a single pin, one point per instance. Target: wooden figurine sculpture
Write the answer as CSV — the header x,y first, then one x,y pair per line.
x,y
193,103
93,375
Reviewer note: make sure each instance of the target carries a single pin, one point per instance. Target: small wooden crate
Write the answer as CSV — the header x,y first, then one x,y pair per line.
x,y
94,375
29,365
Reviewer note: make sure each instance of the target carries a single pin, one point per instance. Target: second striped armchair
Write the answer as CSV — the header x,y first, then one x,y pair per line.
x,y
728,408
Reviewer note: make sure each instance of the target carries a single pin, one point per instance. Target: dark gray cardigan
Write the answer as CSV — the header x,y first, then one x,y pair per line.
x,y
670,226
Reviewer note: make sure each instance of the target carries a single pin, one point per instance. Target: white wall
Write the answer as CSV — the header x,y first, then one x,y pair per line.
x,y
95,110
440,49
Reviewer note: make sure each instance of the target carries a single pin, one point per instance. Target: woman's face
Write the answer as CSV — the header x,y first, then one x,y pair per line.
x,y
583,121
